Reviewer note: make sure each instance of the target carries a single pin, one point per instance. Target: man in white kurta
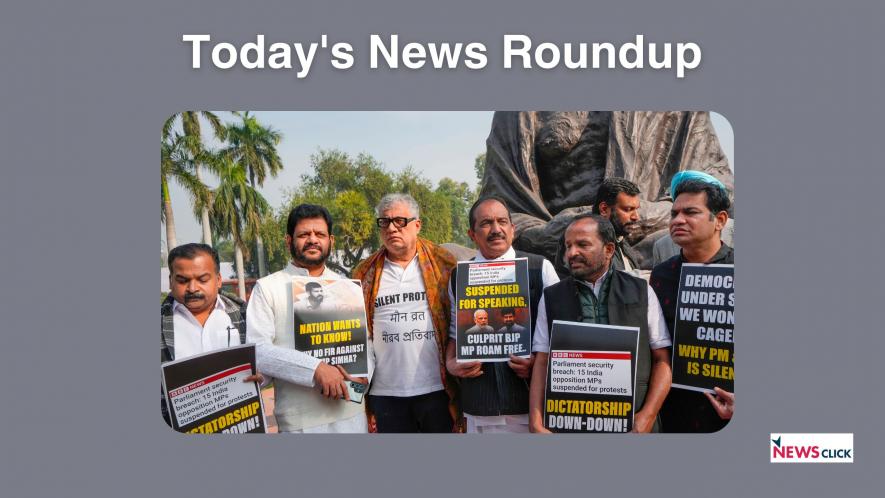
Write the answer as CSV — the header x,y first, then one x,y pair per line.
x,y
307,390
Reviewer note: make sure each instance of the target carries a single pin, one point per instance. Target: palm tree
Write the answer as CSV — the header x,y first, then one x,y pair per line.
x,y
254,146
177,163
237,210
190,125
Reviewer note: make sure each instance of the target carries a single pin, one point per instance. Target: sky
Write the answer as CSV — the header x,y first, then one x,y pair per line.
x,y
438,144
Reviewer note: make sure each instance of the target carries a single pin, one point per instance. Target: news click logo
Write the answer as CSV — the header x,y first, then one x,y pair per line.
x,y
817,448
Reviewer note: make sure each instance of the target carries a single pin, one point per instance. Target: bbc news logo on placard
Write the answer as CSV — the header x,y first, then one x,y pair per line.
x,y
818,448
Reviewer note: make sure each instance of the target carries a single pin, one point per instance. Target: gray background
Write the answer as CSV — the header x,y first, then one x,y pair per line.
x,y
86,87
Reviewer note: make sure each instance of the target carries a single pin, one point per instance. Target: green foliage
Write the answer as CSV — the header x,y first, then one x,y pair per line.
x,y
225,250
254,146
436,212
273,232
237,208
354,220
237,212
351,187
190,126
177,162
460,197
479,165
181,158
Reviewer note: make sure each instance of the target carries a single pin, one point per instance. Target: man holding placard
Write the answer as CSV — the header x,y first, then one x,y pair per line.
x,y
310,393
698,216
196,317
596,294
494,395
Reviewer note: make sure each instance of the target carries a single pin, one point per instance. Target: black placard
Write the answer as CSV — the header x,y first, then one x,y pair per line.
x,y
499,291
703,334
330,322
206,393
591,378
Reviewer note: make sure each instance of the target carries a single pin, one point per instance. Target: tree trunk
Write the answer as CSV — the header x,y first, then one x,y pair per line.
x,y
241,273
207,231
171,239
204,213
259,243
259,249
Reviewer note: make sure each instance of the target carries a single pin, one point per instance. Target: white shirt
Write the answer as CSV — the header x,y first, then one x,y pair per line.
x,y
658,336
406,353
628,267
276,361
548,278
279,362
191,338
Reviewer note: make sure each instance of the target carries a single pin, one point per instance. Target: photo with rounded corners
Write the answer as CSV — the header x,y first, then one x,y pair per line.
x,y
624,221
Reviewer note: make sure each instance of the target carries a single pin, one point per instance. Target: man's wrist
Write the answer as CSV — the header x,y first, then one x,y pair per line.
x,y
313,377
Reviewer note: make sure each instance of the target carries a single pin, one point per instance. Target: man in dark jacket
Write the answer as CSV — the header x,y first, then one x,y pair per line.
x,y
196,317
700,212
596,293
494,396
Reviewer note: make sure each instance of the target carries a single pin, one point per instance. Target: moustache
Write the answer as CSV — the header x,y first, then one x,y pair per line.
x,y
312,246
577,259
495,236
194,296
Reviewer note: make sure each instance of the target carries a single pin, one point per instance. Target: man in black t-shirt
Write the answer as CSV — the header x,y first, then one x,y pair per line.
x,y
699,213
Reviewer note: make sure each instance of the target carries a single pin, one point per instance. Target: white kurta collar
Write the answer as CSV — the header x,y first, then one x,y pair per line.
x,y
302,272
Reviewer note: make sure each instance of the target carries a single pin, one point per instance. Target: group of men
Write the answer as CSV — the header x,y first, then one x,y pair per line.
x,y
418,385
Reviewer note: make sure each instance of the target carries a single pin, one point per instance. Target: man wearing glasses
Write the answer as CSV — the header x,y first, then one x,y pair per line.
x,y
404,284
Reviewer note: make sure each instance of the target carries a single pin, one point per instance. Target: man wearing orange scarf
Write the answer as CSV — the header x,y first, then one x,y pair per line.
x,y
405,287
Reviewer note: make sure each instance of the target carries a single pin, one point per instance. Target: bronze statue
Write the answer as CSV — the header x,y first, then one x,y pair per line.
x,y
548,167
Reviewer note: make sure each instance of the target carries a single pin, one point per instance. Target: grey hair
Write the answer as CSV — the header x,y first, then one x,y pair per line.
x,y
477,312
390,199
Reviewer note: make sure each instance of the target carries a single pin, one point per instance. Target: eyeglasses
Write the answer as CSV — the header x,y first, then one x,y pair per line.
x,y
399,222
